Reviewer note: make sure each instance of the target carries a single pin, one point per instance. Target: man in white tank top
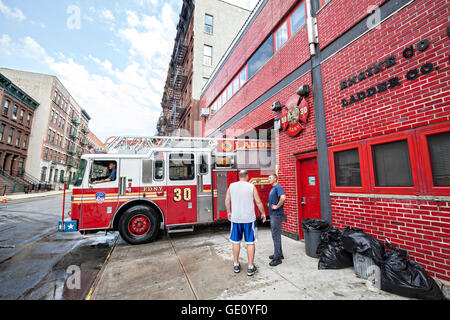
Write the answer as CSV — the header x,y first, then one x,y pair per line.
x,y
241,213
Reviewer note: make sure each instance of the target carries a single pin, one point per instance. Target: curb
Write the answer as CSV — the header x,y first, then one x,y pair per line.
x,y
36,196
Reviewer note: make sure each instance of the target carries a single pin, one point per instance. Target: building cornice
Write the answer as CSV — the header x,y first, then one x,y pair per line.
x,y
17,93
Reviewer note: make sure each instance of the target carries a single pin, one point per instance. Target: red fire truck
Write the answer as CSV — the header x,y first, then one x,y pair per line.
x,y
163,183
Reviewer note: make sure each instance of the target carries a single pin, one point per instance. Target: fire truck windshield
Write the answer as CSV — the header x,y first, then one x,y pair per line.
x,y
80,173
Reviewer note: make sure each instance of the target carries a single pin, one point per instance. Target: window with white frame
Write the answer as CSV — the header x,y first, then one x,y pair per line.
x,y
207,55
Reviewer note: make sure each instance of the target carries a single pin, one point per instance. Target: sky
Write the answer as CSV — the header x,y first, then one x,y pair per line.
x,y
112,56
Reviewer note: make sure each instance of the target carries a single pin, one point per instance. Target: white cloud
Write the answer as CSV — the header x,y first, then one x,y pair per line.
x,y
120,101
5,45
107,15
14,13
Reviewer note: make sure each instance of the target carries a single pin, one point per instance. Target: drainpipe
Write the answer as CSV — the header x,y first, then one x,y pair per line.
x,y
311,25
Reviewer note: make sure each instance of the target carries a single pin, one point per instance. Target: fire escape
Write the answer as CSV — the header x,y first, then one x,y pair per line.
x,y
173,109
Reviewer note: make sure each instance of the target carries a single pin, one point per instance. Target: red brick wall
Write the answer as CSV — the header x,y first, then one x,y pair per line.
x,y
340,15
414,103
421,227
293,54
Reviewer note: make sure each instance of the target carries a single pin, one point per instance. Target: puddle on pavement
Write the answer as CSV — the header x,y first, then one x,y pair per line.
x,y
73,275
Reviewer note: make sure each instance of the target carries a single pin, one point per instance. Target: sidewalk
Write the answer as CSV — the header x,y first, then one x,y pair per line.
x,y
22,196
200,266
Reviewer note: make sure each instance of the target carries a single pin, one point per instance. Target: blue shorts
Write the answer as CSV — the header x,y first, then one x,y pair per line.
x,y
249,230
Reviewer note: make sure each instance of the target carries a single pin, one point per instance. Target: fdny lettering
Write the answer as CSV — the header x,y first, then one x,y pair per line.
x,y
152,189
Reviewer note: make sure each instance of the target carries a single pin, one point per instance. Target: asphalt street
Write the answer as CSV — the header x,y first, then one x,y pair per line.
x,y
36,261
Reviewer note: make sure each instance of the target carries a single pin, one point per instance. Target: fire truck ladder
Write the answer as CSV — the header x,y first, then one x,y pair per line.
x,y
142,145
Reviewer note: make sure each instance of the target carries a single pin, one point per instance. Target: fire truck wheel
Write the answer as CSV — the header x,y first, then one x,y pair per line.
x,y
139,224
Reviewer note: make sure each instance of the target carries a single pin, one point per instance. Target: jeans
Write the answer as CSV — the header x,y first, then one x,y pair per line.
x,y
275,227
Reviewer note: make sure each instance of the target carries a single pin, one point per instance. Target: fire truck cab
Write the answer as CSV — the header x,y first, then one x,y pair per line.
x,y
173,184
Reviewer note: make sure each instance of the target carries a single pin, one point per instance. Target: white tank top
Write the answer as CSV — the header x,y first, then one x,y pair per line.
x,y
242,205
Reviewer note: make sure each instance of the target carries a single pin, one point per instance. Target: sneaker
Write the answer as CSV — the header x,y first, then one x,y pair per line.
x,y
237,268
251,271
271,257
274,263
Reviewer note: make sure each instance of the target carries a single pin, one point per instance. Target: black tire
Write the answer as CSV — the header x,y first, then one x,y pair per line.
x,y
139,224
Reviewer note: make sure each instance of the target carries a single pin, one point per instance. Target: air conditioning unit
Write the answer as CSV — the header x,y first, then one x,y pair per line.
x,y
204,112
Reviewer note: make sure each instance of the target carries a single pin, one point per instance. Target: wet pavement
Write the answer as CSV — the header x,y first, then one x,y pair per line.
x,y
35,258
199,266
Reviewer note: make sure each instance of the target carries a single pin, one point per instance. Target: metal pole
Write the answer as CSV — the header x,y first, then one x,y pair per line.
x,y
64,202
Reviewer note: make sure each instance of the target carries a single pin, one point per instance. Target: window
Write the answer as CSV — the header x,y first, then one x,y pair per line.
x,y
181,166
243,76
80,173
52,115
392,165
46,154
20,165
439,153
347,168
229,91
25,141
261,56
2,131
16,108
43,173
236,84
204,81
55,94
281,36
10,137
6,107
298,18
159,170
203,164
147,166
19,135
208,24
103,169
22,112
28,120
207,55
223,97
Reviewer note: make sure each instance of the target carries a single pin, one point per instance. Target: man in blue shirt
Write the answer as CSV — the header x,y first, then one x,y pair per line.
x,y
276,211
112,175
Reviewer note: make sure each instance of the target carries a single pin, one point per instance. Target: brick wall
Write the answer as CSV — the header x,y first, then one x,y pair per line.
x,y
340,15
421,227
293,54
412,104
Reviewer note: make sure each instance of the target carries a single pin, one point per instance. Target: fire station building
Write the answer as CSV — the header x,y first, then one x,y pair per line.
x,y
357,94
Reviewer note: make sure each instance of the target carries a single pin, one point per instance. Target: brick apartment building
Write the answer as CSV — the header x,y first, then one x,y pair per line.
x,y
357,95
16,118
59,130
204,32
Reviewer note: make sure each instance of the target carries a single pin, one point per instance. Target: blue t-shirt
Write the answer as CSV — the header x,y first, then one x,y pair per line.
x,y
274,197
112,175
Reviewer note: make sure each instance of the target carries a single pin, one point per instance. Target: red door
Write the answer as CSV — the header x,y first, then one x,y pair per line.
x,y
308,190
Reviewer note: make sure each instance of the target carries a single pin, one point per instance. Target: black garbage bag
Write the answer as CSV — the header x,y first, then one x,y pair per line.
x,y
315,224
356,240
407,278
331,252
